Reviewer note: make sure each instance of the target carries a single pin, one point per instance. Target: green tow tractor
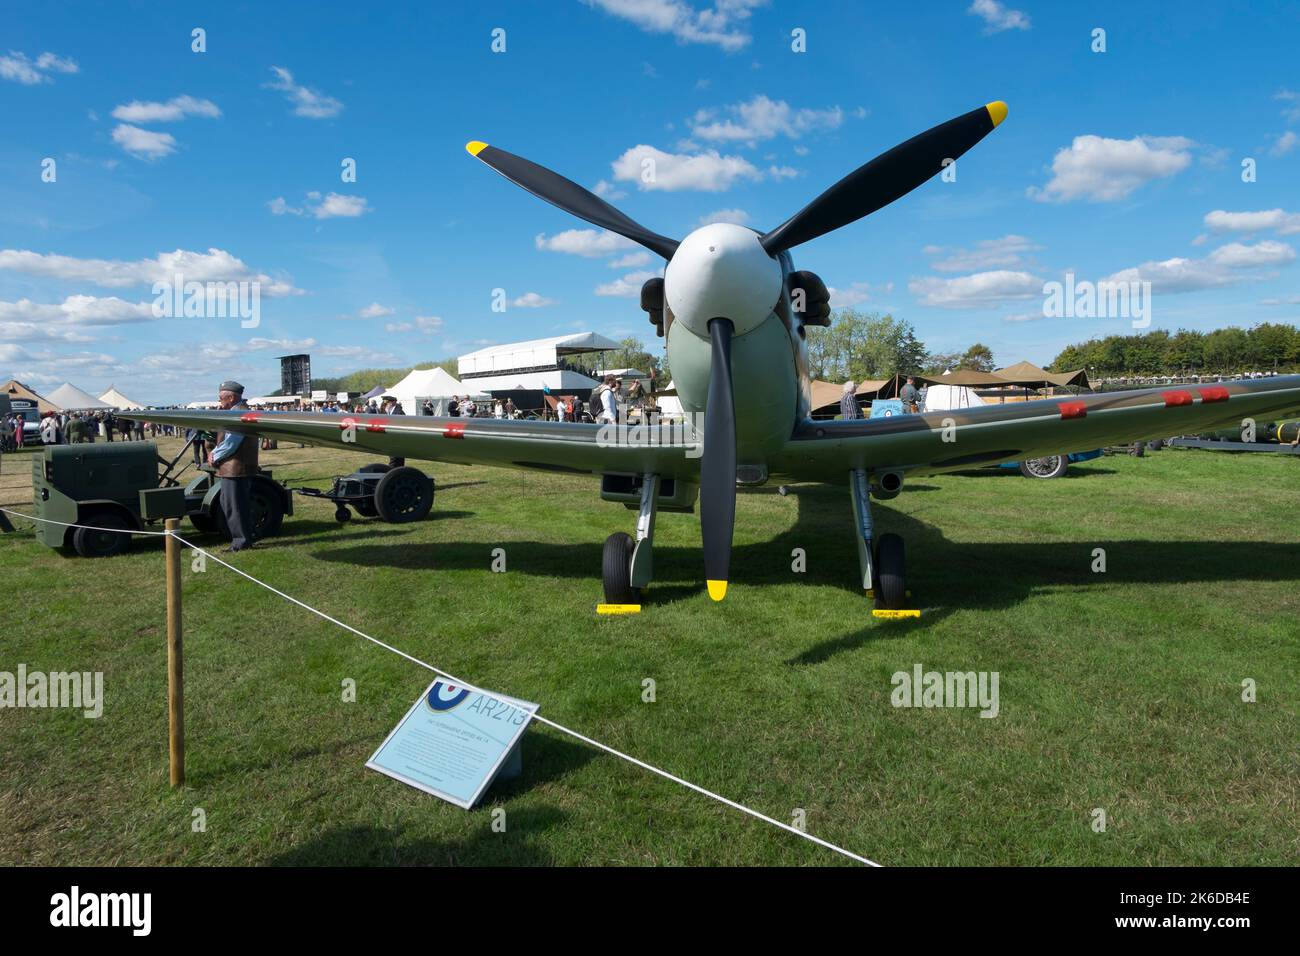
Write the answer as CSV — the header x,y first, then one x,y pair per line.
x,y
116,487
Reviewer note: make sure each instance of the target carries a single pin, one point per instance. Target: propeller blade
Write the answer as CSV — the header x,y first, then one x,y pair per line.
x,y
890,175
718,467
570,197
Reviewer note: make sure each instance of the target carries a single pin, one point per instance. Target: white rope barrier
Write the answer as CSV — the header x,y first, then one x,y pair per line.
x,y
458,681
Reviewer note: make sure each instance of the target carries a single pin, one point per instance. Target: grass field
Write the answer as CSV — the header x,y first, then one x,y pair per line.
x,y
1119,690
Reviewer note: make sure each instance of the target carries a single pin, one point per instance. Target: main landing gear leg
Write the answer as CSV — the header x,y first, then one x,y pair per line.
x,y
627,565
880,561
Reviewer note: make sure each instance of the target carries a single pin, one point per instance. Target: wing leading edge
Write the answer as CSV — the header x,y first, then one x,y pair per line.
x,y
558,446
933,442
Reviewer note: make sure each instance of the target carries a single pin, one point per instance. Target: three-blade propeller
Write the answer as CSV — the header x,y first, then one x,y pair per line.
x,y
871,186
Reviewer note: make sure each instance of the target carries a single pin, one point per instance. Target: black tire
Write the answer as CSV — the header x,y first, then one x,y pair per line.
x,y
205,524
1049,466
342,514
101,544
891,579
267,512
404,494
375,468
1137,450
616,569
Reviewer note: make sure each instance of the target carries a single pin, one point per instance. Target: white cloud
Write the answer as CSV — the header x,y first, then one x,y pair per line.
x,y
425,324
1285,143
375,311
737,216
77,310
216,265
981,290
330,206
761,119
1225,266
631,260
856,294
19,69
1278,220
1237,255
720,25
143,143
532,300
1105,170
589,243
986,254
998,17
1292,110
627,286
669,172
177,108
306,101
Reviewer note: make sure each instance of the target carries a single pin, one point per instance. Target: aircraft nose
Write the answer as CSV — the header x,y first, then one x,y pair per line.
x,y
722,271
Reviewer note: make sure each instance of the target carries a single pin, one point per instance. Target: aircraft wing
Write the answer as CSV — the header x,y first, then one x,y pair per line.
x,y
933,442
551,446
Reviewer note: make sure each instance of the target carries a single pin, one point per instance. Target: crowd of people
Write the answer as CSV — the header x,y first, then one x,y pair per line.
x,y
72,428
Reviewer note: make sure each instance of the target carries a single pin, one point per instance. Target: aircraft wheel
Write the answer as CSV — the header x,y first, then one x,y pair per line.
x,y
101,544
341,514
403,494
616,570
890,583
1052,466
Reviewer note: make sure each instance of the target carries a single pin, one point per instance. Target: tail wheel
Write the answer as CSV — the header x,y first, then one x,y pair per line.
x,y
90,543
616,569
1051,466
890,584
404,494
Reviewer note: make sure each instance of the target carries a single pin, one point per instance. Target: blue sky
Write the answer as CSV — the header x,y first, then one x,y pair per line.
x,y
227,162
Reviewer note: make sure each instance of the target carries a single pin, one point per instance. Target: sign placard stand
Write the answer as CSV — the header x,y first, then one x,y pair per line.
x,y
455,741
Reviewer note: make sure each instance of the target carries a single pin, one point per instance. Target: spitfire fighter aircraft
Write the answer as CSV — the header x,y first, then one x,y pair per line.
x,y
734,313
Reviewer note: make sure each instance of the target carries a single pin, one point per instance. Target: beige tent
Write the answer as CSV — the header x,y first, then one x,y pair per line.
x,y
118,400
826,395
16,389
1030,375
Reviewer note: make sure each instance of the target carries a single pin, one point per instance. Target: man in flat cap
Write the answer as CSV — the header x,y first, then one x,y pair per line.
x,y
235,458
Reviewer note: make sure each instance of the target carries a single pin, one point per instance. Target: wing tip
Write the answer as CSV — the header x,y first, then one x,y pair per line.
x,y
997,112
474,147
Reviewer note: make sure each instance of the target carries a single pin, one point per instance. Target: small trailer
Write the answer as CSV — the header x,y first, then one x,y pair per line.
x,y
395,494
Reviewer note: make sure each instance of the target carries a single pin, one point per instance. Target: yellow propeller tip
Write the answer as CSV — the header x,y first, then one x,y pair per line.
x,y
997,111
474,147
717,590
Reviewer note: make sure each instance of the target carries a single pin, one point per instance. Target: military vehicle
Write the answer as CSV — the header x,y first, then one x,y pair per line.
x,y
117,487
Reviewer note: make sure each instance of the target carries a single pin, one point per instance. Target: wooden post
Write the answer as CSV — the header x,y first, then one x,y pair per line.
x,y
175,659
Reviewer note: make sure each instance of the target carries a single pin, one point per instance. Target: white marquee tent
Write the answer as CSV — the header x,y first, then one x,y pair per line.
x,y
118,400
428,384
72,399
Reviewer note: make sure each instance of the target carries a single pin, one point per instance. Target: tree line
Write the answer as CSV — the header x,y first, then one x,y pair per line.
x,y
1267,347
871,346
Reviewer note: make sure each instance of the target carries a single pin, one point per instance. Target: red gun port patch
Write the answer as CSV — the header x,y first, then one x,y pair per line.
x,y
346,423
1176,398
249,418
454,431
1216,393
1074,409
376,424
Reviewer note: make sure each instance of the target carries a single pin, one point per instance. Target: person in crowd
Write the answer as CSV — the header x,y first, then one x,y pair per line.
x,y
19,424
511,411
50,430
453,407
235,459
109,424
138,429
561,411
909,395
498,409
636,393
849,402
604,401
